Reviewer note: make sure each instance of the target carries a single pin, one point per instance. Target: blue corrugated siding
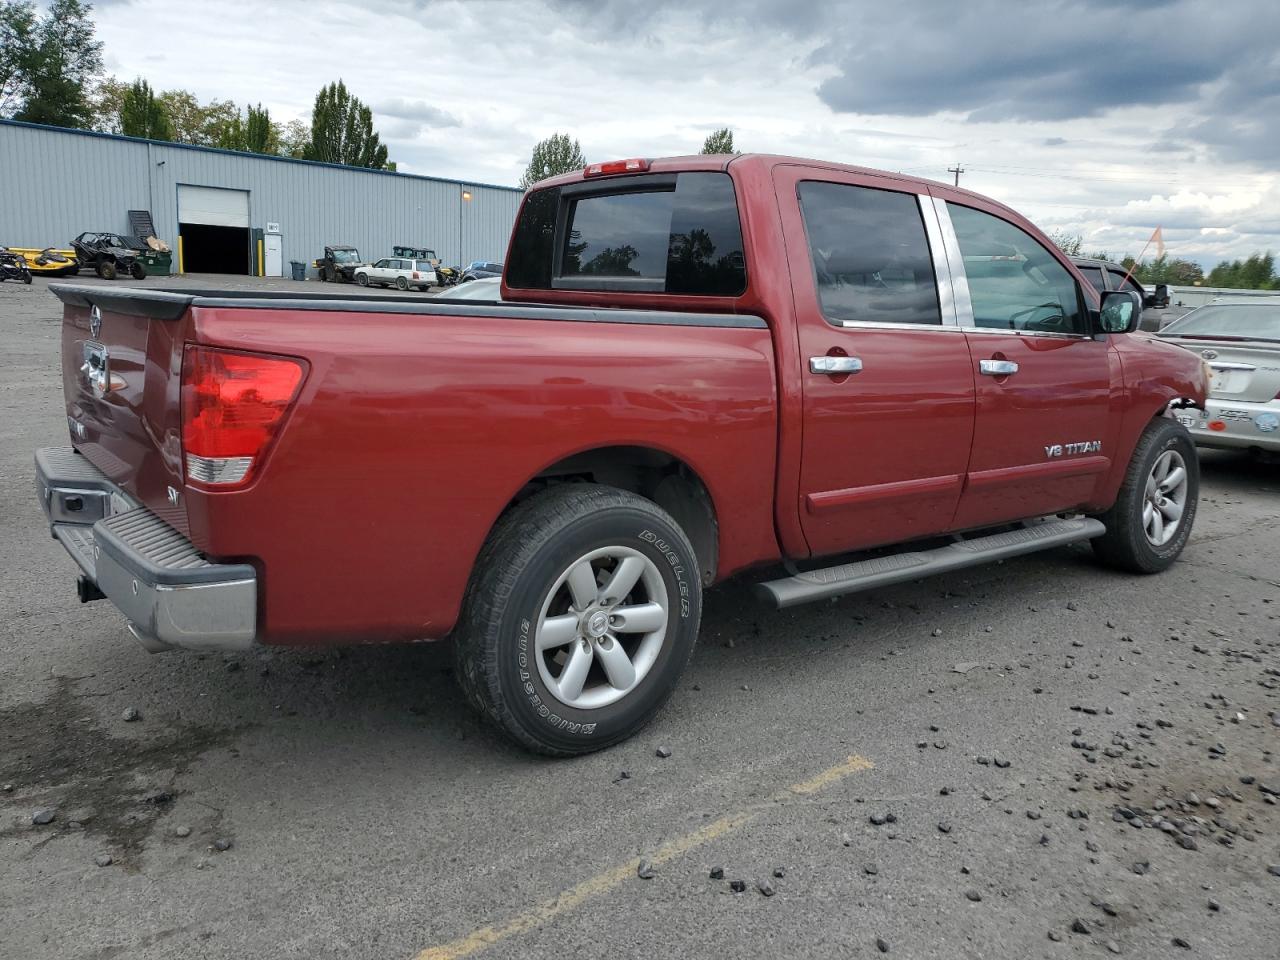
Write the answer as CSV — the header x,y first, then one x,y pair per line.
x,y
71,182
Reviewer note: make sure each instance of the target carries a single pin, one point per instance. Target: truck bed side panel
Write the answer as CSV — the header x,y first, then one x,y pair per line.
x,y
413,433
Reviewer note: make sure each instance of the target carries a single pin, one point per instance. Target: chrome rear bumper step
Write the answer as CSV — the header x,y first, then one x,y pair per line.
x,y
898,568
171,594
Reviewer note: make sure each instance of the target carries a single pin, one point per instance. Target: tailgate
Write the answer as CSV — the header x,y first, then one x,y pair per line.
x,y
121,377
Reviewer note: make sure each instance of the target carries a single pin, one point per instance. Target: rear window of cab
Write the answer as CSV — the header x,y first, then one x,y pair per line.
x,y
656,233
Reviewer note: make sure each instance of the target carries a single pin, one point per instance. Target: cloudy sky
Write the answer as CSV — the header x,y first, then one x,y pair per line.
x,y
1103,118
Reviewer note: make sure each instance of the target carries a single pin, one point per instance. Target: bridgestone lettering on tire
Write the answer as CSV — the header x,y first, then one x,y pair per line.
x,y
1151,520
580,619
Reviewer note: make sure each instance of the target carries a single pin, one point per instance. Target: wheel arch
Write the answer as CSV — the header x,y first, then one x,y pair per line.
x,y
657,475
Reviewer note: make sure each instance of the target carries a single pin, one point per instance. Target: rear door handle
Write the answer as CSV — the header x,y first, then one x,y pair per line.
x,y
834,365
997,368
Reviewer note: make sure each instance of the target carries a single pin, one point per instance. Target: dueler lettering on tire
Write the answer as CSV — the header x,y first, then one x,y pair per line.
x,y
582,615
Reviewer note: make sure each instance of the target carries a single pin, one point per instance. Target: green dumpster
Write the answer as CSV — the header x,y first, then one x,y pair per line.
x,y
157,264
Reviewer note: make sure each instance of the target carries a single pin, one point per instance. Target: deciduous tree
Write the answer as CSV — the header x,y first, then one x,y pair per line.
x,y
342,130
721,141
142,114
557,154
58,58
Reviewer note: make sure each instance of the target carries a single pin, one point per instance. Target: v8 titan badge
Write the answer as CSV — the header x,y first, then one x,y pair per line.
x,y
1267,422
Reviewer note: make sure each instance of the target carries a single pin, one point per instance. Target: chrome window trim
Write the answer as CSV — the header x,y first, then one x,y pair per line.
x,y
886,325
941,268
955,264
1043,334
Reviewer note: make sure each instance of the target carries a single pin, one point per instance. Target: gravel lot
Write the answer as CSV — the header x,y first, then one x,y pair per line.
x,y
1038,759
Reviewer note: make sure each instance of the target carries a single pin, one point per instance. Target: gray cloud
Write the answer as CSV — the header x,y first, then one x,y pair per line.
x,y
418,113
992,61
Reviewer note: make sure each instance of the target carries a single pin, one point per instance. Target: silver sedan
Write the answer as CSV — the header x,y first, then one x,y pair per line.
x,y
1240,341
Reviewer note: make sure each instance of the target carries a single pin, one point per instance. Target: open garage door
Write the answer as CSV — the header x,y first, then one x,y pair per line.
x,y
214,226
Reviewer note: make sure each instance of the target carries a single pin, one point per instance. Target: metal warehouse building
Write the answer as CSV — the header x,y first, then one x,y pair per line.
x,y
227,212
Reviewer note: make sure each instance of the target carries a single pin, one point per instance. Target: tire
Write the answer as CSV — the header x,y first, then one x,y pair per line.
x,y
402,283
1128,544
137,271
362,279
106,270
522,581
26,278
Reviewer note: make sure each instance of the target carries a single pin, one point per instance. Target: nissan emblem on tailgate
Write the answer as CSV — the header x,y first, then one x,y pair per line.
x,y
95,322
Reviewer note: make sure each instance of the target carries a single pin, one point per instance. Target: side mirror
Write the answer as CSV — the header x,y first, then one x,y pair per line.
x,y
1120,311
1160,298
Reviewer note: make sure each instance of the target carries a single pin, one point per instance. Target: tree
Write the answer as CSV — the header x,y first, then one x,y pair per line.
x,y
1255,273
294,138
342,131
721,141
259,131
142,114
104,104
555,155
255,133
1069,243
17,42
203,124
58,57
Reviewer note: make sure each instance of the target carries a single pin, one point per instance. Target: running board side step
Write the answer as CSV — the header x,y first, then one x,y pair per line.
x,y
899,568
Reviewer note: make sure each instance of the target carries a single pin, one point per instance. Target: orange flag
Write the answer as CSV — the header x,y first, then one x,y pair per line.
x,y
1158,239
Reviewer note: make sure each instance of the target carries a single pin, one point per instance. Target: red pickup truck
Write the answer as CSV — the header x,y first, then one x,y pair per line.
x,y
698,366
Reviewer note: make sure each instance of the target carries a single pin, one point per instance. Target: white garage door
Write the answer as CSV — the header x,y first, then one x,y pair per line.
x,y
213,206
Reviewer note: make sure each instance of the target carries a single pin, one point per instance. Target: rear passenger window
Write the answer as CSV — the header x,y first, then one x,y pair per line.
x,y
870,254
661,234
1094,276
1014,282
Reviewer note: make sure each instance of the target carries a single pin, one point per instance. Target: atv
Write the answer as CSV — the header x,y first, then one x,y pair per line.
x,y
109,254
338,265
13,266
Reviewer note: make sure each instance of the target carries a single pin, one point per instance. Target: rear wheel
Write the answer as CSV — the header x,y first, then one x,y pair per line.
x,y
402,283
580,619
106,269
1151,520
137,270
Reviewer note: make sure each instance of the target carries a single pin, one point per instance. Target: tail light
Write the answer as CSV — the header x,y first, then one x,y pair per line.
x,y
416,275
232,407
636,165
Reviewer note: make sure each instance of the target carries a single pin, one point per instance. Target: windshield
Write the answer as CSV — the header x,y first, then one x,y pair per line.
x,y
1254,321
346,256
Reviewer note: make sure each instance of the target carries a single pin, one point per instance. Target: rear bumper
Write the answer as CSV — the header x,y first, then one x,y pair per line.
x,y
1235,424
171,595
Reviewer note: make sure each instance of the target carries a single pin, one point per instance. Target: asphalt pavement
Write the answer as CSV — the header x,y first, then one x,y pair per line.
x,y
1040,758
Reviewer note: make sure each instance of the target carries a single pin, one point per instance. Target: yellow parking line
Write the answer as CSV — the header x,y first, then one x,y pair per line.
x,y
604,882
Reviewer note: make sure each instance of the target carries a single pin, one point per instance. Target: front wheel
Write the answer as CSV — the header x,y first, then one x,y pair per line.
x,y
580,619
137,270
402,283
362,279
106,269
1151,520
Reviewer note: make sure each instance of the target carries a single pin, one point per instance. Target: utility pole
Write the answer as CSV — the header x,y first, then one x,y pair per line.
x,y
957,170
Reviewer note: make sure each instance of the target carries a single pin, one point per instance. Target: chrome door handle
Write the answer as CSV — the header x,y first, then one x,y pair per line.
x,y
834,365
997,368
